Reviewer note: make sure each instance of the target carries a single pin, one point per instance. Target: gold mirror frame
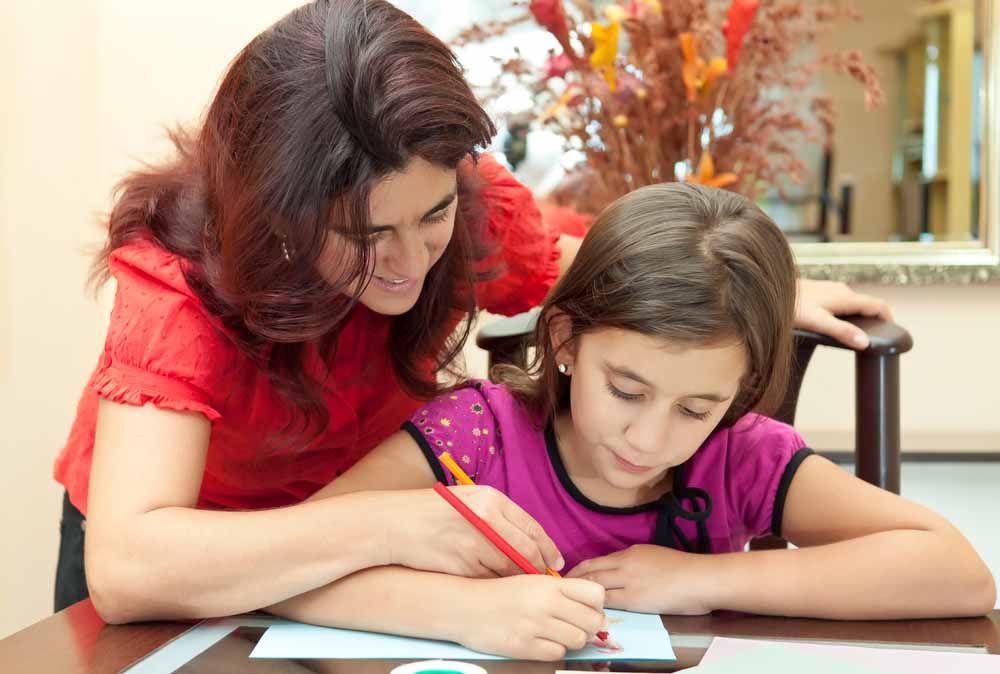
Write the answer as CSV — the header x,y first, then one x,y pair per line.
x,y
919,263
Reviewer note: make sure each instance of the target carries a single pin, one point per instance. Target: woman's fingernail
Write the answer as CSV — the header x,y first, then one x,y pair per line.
x,y
861,340
560,563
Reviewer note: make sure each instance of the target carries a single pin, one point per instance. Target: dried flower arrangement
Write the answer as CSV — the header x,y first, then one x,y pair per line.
x,y
710,91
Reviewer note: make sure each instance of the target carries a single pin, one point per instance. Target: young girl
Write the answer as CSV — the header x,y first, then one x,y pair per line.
x,y
636,449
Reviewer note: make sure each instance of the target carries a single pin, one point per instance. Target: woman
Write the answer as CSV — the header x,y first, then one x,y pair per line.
x,y
287,289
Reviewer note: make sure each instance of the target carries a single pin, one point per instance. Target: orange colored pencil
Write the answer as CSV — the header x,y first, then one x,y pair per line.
x,y
460,476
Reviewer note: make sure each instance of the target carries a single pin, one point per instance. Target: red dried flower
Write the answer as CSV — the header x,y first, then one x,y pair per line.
x,y
552,16
738,19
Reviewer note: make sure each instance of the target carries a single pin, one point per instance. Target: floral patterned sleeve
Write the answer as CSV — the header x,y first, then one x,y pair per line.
x,y
462,424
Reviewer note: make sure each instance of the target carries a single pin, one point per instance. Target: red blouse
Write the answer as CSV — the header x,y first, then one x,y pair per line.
x,y
164,347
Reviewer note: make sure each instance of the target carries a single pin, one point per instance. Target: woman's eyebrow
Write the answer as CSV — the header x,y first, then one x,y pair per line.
x,y
441,205
444,203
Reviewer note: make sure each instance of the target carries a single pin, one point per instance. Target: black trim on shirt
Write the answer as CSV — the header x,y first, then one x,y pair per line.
x,y
667,531
778,511
432,459
564,479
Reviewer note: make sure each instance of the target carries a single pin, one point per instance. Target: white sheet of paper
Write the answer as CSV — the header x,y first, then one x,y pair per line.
x,y
641,636
750,656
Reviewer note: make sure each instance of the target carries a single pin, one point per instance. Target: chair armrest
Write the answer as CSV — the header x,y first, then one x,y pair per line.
x,y
886,338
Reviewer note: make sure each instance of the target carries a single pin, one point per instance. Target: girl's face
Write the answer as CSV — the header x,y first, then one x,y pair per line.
x,y
412,218
641,405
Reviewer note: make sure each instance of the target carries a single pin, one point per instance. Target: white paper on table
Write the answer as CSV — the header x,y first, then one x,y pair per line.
x,y
750,656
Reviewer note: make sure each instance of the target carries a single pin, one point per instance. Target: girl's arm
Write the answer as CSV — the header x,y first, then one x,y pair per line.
x,y
864,553
534,617
531,617
152,554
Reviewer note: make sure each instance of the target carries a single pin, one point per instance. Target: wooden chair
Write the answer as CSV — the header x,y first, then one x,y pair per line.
x,y
876,388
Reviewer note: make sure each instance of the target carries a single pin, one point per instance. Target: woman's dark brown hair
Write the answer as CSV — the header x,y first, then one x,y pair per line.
x,y
308,117
685,263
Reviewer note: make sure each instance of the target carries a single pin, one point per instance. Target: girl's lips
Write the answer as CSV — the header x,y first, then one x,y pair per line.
x,y
630,467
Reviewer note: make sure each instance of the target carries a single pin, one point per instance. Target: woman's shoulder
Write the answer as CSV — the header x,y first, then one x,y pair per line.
x,y
155,309
146,261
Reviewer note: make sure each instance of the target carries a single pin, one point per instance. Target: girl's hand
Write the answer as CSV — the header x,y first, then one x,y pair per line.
x,y
820,302
652,579
531,617
426,533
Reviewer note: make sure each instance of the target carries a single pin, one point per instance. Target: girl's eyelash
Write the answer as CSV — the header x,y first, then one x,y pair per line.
x,y
700,416
621,394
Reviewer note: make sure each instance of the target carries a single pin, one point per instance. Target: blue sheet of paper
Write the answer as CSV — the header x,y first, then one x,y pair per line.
x,y
641,636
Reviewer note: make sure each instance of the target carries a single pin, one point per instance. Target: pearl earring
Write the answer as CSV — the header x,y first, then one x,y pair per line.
x,y
563,368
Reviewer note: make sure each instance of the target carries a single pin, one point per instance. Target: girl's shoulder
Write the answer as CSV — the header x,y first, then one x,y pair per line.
x,y
477,399
751,429
755,444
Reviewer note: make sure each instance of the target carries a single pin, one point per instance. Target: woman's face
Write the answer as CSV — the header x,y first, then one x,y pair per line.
x,y
412,218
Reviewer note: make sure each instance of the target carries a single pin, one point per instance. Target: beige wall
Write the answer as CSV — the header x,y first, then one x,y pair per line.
x,y
90,86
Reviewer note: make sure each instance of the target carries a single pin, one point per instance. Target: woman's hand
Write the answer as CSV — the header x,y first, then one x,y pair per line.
x,y
820,302
426,533
652,579
531,617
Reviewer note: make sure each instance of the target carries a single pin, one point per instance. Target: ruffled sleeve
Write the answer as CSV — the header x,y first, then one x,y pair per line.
x,y
162,345
528,255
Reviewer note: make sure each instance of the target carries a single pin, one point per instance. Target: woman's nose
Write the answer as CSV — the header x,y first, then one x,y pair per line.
x,y
408,255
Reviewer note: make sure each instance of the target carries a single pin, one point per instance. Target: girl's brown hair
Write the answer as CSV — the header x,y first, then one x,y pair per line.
x,y
308,117
685,263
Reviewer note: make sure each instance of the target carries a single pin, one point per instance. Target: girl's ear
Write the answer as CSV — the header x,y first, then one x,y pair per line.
x,y
561,338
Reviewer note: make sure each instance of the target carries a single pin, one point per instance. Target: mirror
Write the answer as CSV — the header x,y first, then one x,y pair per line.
x,y
904,191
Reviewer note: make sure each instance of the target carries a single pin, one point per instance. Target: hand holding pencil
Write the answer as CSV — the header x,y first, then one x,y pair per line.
x,y
462,478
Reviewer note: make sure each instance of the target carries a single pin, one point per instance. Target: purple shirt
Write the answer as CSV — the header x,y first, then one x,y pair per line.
x,y
732,489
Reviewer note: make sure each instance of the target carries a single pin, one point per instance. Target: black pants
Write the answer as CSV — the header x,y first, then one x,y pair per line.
x,y
71,581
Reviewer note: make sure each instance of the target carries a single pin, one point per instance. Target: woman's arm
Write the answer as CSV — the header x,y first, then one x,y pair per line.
x,y
569,246
398,463
152,554
820,302
864,553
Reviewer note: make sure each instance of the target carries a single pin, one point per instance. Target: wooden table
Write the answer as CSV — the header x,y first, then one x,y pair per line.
x,y
76,641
